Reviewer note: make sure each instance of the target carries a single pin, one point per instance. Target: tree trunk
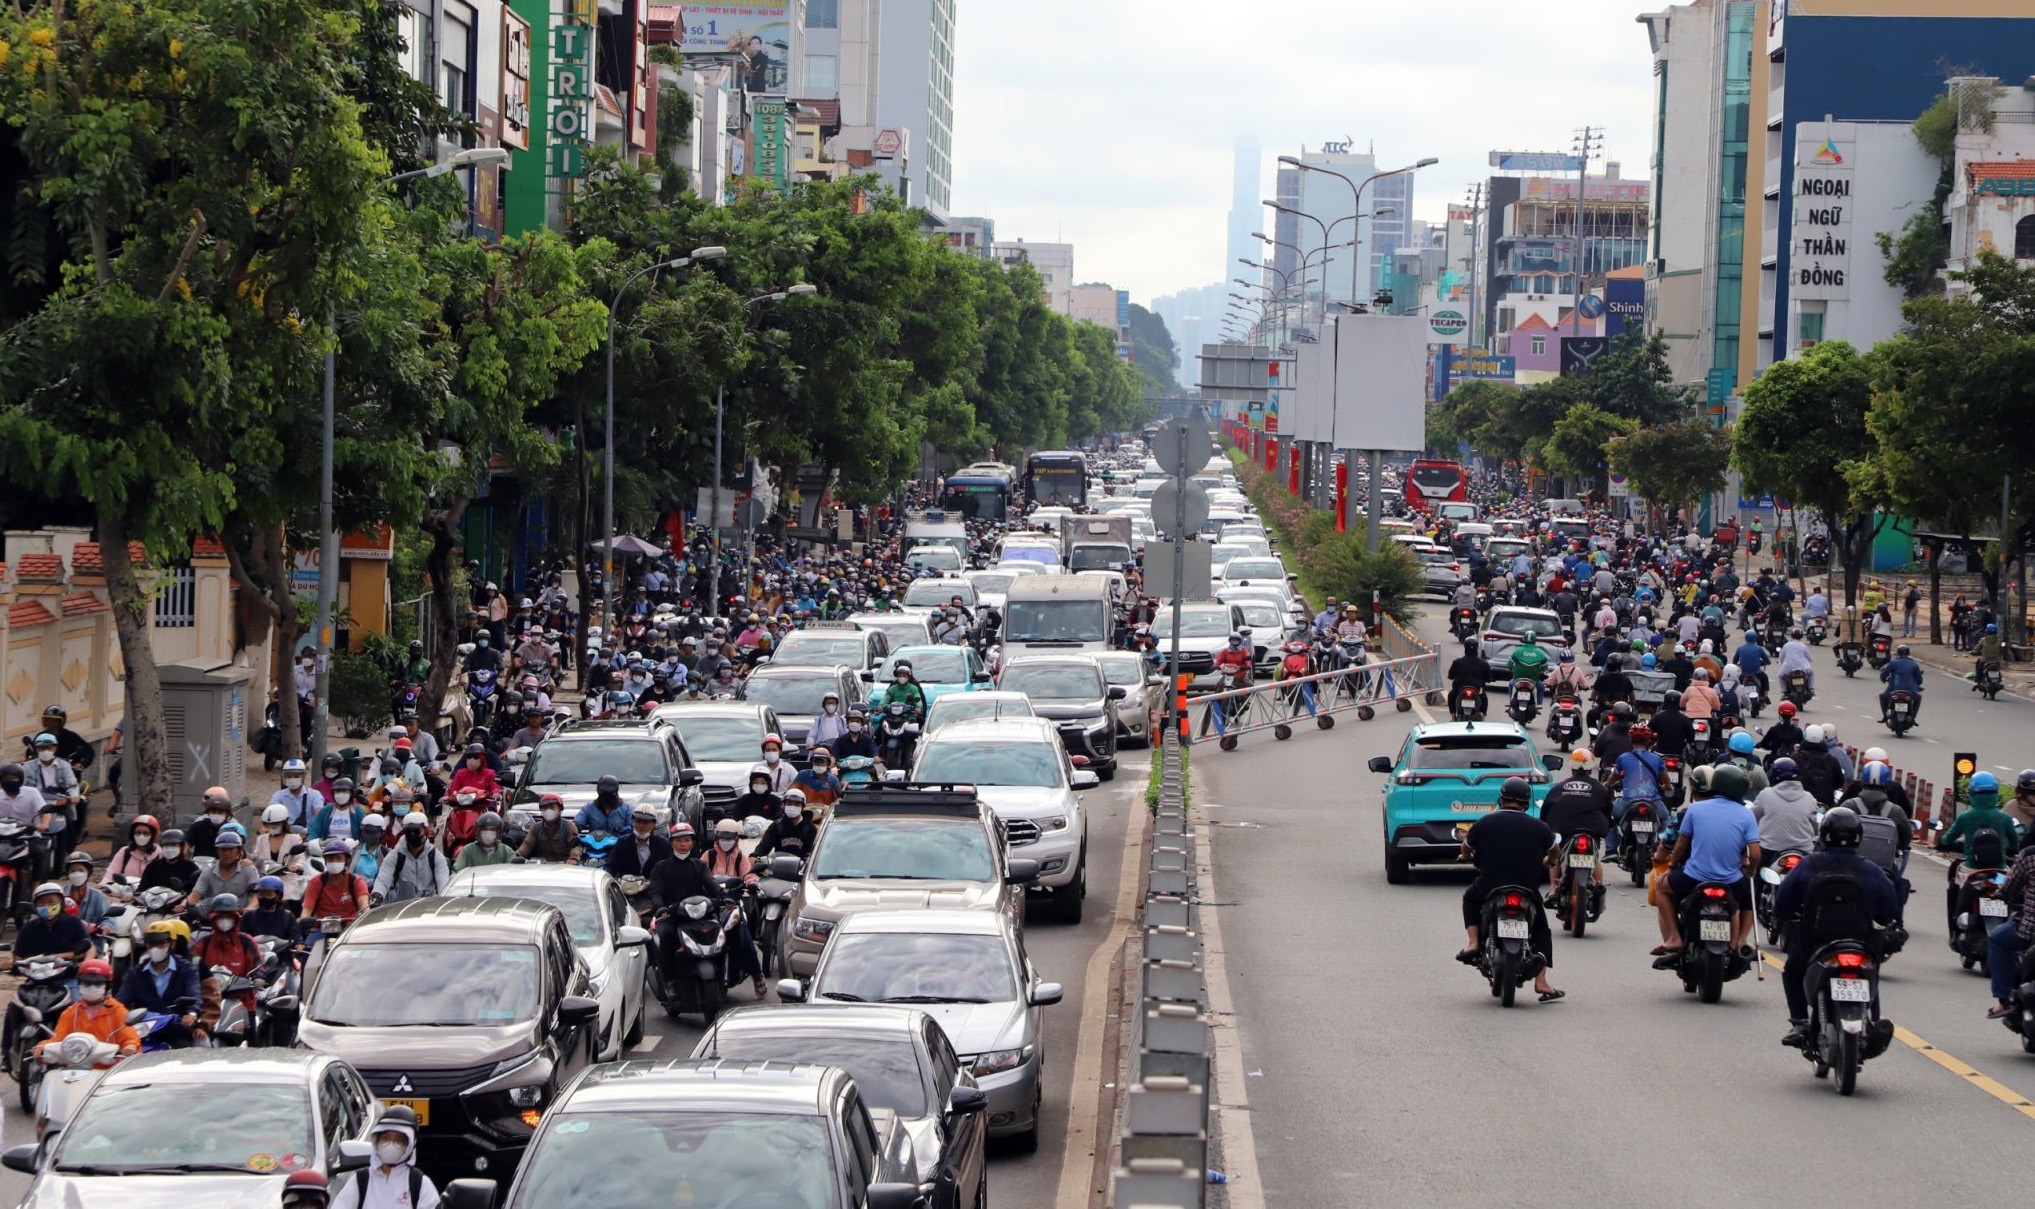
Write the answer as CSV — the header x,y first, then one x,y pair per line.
x,y
1935,590
443,526
147,742
272,592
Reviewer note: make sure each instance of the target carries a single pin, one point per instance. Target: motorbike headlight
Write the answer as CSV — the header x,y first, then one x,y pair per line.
x,y
694,908
998,1060
813,931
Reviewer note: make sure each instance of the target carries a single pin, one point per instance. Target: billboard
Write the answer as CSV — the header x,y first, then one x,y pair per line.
x,y
1579,353
769,128
1820,258
1535,161
1554,188
1303,417
758,33
1380,381
1481,365
515,80
1625,305
1448,323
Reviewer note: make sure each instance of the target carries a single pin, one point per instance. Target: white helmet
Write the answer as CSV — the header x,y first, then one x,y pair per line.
x,y
1875,754
275,812
1830,732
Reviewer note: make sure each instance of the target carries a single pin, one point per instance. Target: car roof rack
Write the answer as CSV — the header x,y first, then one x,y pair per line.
x,y
930,797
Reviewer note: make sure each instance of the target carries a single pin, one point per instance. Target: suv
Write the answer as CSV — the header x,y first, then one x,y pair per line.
x,y
898,845
1019,767
705,1131
795,694
1446,777
827,643
724,739
472,1011
1069,691
1506,624
645,754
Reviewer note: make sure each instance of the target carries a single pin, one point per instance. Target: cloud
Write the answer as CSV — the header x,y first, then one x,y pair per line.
x,y
1109,123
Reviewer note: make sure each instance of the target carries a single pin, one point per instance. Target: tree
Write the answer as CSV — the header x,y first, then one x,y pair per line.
x,y
1575,449
1153,350
1802,430
1632,379
1672,465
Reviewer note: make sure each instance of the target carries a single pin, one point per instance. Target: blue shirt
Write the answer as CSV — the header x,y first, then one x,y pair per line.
x,y
1903,673
1750,658
591,818
1718,829
1641,772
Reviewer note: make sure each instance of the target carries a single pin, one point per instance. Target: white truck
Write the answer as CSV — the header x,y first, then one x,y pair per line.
x,y
1096,543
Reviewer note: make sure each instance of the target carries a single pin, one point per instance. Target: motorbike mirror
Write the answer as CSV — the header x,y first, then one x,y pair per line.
x,y
866,676
350,1155
1380,764
629,936
791,990
1770,876
1551,762
979,678
894,775
468,1194
21,1158
787,868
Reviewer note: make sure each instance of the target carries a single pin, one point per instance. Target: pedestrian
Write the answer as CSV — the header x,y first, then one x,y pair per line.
x,y
1910,602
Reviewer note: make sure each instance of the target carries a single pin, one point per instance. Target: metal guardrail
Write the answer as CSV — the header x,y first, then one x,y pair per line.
x,y
1163,1153
1280,705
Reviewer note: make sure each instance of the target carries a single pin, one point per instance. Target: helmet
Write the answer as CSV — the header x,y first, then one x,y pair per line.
x,y
1700,779
373,822
1984,782
337,847
1785,769
1841,828
1622,710
1787,709
1566,655
1515,789
275,812
45,739
1991,628
1702,675
1729,781
306,1190
58,712
608,785
270,884
1813,736
290,766
1579,758
489,820
1642,733
398,1116
727,827
81,857
144,820
229,837
1795,632
1527,639
477,749
1671,700
96,969
680,827
1741,744
1901,651
47,888
2024,783
174,835
1875,773
169,929
223,904
795,795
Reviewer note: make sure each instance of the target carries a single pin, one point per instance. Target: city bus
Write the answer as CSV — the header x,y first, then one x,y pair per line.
x,y
1057,477
1430,482
976,496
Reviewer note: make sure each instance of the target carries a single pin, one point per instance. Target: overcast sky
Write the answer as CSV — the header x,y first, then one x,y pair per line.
x,y
1109,124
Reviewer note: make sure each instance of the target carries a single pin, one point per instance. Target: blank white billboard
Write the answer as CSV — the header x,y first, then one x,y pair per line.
x,y
1381,382
1308,422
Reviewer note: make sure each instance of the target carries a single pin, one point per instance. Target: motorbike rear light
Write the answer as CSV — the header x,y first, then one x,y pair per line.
x,y
1582,843
1512,901
1851,961
1790,861
1640,812
1713,892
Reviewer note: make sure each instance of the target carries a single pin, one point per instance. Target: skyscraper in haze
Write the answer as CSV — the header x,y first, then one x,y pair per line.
x,y
1243,207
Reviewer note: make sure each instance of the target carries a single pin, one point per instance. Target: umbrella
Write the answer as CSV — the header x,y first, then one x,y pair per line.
x,y
629,546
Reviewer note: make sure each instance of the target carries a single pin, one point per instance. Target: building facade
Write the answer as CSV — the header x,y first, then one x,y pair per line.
x,y
890,66
1054,263
1551,250
1992,199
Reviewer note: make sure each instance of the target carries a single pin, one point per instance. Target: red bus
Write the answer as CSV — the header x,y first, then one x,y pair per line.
x,y
1430,482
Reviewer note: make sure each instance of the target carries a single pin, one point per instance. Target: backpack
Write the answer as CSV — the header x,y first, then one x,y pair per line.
x,y
416,1186
1985,850
1881,844
1834,907
1819,773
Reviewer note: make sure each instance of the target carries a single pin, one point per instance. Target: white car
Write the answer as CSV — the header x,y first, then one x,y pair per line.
x,y
922,596
1220,554
1020,767
603,927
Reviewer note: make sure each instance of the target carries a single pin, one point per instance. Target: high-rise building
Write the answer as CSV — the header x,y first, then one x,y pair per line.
x,y
1194,317
1243,206
1545,251
890,64
1390,225
544,79
1054,263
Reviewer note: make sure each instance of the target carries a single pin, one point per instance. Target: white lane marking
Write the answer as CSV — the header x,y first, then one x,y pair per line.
x,y
1845,708
649,1044
2003,768
1232,1108
1077,1155
1927,739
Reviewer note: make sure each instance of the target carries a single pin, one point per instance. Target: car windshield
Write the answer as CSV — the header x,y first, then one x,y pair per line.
x,y
1099,558
1195,623
807,649
1253,568
928,967
904,848
959,707
928,592
447,985
1469,751
996,583
1045,555
940,558
580,906
564,761
1032,764
1261,614
930,666
1056,621
899,630
1119,669
1053,682
677,1158
133,1128
790,694
1525,623
886,1069
709,738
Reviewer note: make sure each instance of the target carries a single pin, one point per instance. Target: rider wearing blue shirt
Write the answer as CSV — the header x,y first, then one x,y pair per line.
x,y
1719,839
1901,673
607,812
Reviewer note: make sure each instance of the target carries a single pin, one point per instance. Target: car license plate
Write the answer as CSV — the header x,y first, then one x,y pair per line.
x,y
1512,929
1472,807
421,1107
1581,860
1851,990
1642,829
1715,929
1992,906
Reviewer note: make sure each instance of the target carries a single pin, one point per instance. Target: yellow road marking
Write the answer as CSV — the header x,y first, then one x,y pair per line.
x,y
1952,1063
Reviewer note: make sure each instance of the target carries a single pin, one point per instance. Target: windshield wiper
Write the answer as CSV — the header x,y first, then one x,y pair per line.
x,y
157,1168
933,999
844,997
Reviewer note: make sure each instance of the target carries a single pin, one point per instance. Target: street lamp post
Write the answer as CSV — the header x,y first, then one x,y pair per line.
x,y
328,538
608,459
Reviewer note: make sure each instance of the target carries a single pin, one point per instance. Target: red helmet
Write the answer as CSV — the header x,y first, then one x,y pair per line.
x,y
1787,709
145,820
96,967
1642,733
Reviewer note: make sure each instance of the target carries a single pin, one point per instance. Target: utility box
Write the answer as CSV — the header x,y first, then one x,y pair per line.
x,y
205,719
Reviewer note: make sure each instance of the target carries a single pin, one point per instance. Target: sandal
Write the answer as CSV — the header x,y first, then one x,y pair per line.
x,y
1997,1011
1551,996
1467,956
1664,950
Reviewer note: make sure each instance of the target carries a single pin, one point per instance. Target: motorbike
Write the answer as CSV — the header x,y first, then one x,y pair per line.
x,y
38,1001
1750,700
775,885
595,847
1979,909
480,695
17,869
1702,746
1671,772
1506,957
1463,622
1523,702
272,983
1565,723
897,736
860,770
1850,658
706,927
1817,630
1467,704
1845,1028
2022,999
268,740
1636,838
70,1069
1795,688
1989,682
115,938
1880,651
1579,896
1901,711
1483,600
1764,890
152,904
1706,961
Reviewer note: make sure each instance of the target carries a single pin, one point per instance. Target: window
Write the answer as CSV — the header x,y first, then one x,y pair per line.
x,y
1811,328
823,14
1540,346
823,75
455,67
416,41
2024,239
332,1109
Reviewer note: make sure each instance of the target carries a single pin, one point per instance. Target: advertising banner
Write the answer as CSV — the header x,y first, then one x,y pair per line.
x,y
1482,365
1819,262
768,127
515,80
1381,373
1535,161
757,33
569,122
1448,323
1579,353
1625,305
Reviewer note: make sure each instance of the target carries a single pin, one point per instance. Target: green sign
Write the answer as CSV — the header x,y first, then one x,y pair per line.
x,y
2006,186
572,91
771,164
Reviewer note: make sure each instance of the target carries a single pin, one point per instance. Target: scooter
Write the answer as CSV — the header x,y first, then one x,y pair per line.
x,y
1523,703
1702,746
17,869
1464,622
1901,712
1706,961
705,928
1750,700
860,770
775,887
1507,957
1880,652
1637,833
1468,704
1764,891
70,1068
1979,909
37,1004
1565,723
1845,1028
897,736
595,848
1579,896
480,695
1671,772
1850,658
1817,630
1989,682
1795,688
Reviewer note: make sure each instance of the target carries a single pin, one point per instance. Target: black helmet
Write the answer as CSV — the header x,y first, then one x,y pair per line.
x,y
489,819
609,785
1622,711
1515,789
477,749
1729,781
1785,769
55,711
1671,700
2025,783
224,904
1841,828
340,783
174,835
1901,650
11,769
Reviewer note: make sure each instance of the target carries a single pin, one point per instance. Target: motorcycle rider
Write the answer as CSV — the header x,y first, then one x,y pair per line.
x,y
793,822
96,1012
1670,726
1986,652
641,849
1567,678
374,845
781,774
1615,739
1751,659
217,811
725,859
607,812
1470,670
1528,662
830,726
79,894
417,868
58,784
162,981
1820,774
393,1180
487,847
1902,673
1982,818
1718,841
1783,737
267,916
277,845
475,773
50,930
903,687
858,741
1795,657
1701,700
671,883
820,783
339,819
1510,848
233,873
1819,920
1578,805
24,804
173,868
552,838
133,858
2022,807
225,945
2008,938
302,799
1871,803
760,800
1738,750
1235,656
334,890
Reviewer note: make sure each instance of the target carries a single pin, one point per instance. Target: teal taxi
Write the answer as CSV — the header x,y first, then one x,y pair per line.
x,y
1446,777
940,670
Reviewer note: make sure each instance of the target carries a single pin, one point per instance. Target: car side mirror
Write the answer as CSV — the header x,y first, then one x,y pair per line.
x,y
468,1194
1084,779
1021,872
1117,693
893,1196
578,1011
690,777
791,990
866,676
979,678
1551,762
630,936
1380,764
967,1099
350,1155
787,868
506,779
1046,994
23,1158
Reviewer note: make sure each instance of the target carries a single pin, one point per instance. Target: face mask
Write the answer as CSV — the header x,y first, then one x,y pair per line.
x,y
47,757
341,797
268,901
225,924
293,783
832,710
172,851
79,878
158,953
551,815
92,993
415,841
791,810
401,809
390,1153
275,828
143,839
903,679
474,764
335,866
218,818
771,757
46,911
11,785
854,728
727,845
490,836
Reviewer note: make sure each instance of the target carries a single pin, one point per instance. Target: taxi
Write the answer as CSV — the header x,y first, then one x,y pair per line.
x,y
1446,777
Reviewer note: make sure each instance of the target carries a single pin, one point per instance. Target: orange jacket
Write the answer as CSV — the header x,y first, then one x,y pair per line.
x,y
106,1020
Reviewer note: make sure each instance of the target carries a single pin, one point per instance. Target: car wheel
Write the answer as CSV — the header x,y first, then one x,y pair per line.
x,y
635,1034
1067,899
1398,870
1028,1141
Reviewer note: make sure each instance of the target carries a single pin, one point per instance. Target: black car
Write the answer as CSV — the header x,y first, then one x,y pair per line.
x,y
472,1011
900,1058
1070,692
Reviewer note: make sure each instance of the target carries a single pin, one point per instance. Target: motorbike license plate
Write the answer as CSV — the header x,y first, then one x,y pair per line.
x,y
1642,829
421,1107
1581,860
1512,929
1992,906
1851,990
1715,929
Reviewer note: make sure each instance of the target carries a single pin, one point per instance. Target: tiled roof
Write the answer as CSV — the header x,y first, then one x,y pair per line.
x,y
77,604
28,613
1534,322
829,110
2002,169
208,546
85,557
39,566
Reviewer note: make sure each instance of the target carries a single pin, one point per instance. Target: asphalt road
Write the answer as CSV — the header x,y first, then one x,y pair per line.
x,y
1380,1072
1067,955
